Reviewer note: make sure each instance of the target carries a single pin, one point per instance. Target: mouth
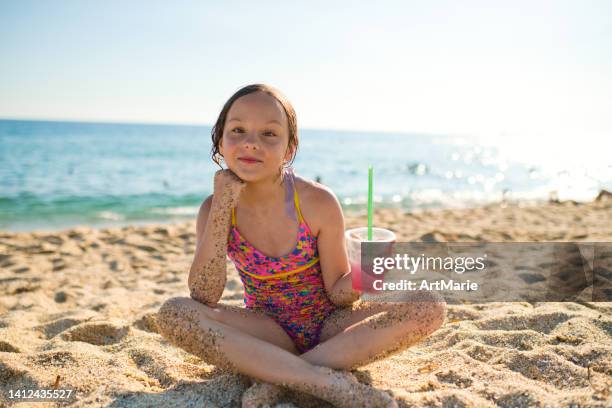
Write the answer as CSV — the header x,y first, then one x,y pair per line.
x,y
249,160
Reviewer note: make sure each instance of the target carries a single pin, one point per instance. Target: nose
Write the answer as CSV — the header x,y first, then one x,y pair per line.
x,y
250,141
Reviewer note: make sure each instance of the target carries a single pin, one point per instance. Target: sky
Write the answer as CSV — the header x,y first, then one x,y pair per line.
x,y
528,68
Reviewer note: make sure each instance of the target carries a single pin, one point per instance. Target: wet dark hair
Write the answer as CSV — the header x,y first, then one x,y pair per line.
x,y
217,130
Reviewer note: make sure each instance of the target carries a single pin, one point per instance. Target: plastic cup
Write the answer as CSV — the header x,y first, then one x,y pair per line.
x,y
363,281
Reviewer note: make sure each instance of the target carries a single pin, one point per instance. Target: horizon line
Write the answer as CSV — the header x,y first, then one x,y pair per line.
x,y
129,122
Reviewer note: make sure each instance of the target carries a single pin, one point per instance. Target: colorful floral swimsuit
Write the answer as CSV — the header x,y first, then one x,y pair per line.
x,y
289,288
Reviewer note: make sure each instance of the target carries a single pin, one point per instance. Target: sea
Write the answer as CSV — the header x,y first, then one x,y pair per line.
x,y
56,175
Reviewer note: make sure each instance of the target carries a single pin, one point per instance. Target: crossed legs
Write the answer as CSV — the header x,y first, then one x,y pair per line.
x,y
251,343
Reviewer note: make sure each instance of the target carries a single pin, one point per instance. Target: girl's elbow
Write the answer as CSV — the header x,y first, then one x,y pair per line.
x,y
205,296
343,298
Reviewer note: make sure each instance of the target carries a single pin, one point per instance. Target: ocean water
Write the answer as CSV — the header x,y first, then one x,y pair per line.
x,y
55,175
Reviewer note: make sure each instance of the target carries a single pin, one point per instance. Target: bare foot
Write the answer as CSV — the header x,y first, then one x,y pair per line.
x,y
345,391
262,394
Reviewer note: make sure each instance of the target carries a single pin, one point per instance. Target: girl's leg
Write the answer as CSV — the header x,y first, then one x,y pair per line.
x,y
191,325
251,321
205,332
367,331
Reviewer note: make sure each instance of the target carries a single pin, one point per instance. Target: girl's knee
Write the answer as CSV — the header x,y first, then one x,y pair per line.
x,y
438,314
176,310
169,313
181,309
437,308
180,321
434,316
168,307
172,306
426,311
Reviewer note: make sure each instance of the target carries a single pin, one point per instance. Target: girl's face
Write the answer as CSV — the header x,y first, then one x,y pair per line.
x,y
255,128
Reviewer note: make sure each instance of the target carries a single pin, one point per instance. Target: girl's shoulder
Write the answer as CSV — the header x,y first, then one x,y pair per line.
x,y
316,202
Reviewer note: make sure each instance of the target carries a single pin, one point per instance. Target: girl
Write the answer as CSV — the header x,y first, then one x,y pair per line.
x,y
302,323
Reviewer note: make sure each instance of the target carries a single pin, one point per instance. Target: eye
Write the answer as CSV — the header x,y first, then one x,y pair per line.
x,y
237,130
269,133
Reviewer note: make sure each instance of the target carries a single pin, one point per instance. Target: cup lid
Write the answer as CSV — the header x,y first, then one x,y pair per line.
x,y
378,234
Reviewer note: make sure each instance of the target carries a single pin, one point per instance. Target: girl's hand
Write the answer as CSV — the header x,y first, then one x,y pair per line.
x,y
228,186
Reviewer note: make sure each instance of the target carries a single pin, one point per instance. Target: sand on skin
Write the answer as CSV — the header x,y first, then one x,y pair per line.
x,y
80,304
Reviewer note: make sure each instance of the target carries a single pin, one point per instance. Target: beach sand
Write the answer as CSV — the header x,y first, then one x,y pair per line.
x,y
77,310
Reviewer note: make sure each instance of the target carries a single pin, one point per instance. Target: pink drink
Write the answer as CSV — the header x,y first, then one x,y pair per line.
x,y
356,275
363,281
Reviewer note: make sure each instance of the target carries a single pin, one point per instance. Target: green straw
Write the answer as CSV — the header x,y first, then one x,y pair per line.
x,y
370,203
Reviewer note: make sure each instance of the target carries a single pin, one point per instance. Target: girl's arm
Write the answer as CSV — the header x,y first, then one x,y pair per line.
x,y
207,275
342,293
332,250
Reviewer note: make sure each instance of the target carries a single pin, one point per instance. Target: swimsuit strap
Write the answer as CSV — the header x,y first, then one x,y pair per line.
x,y
296,202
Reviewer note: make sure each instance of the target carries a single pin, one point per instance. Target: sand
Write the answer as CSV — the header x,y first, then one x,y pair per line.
x,y
77,310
